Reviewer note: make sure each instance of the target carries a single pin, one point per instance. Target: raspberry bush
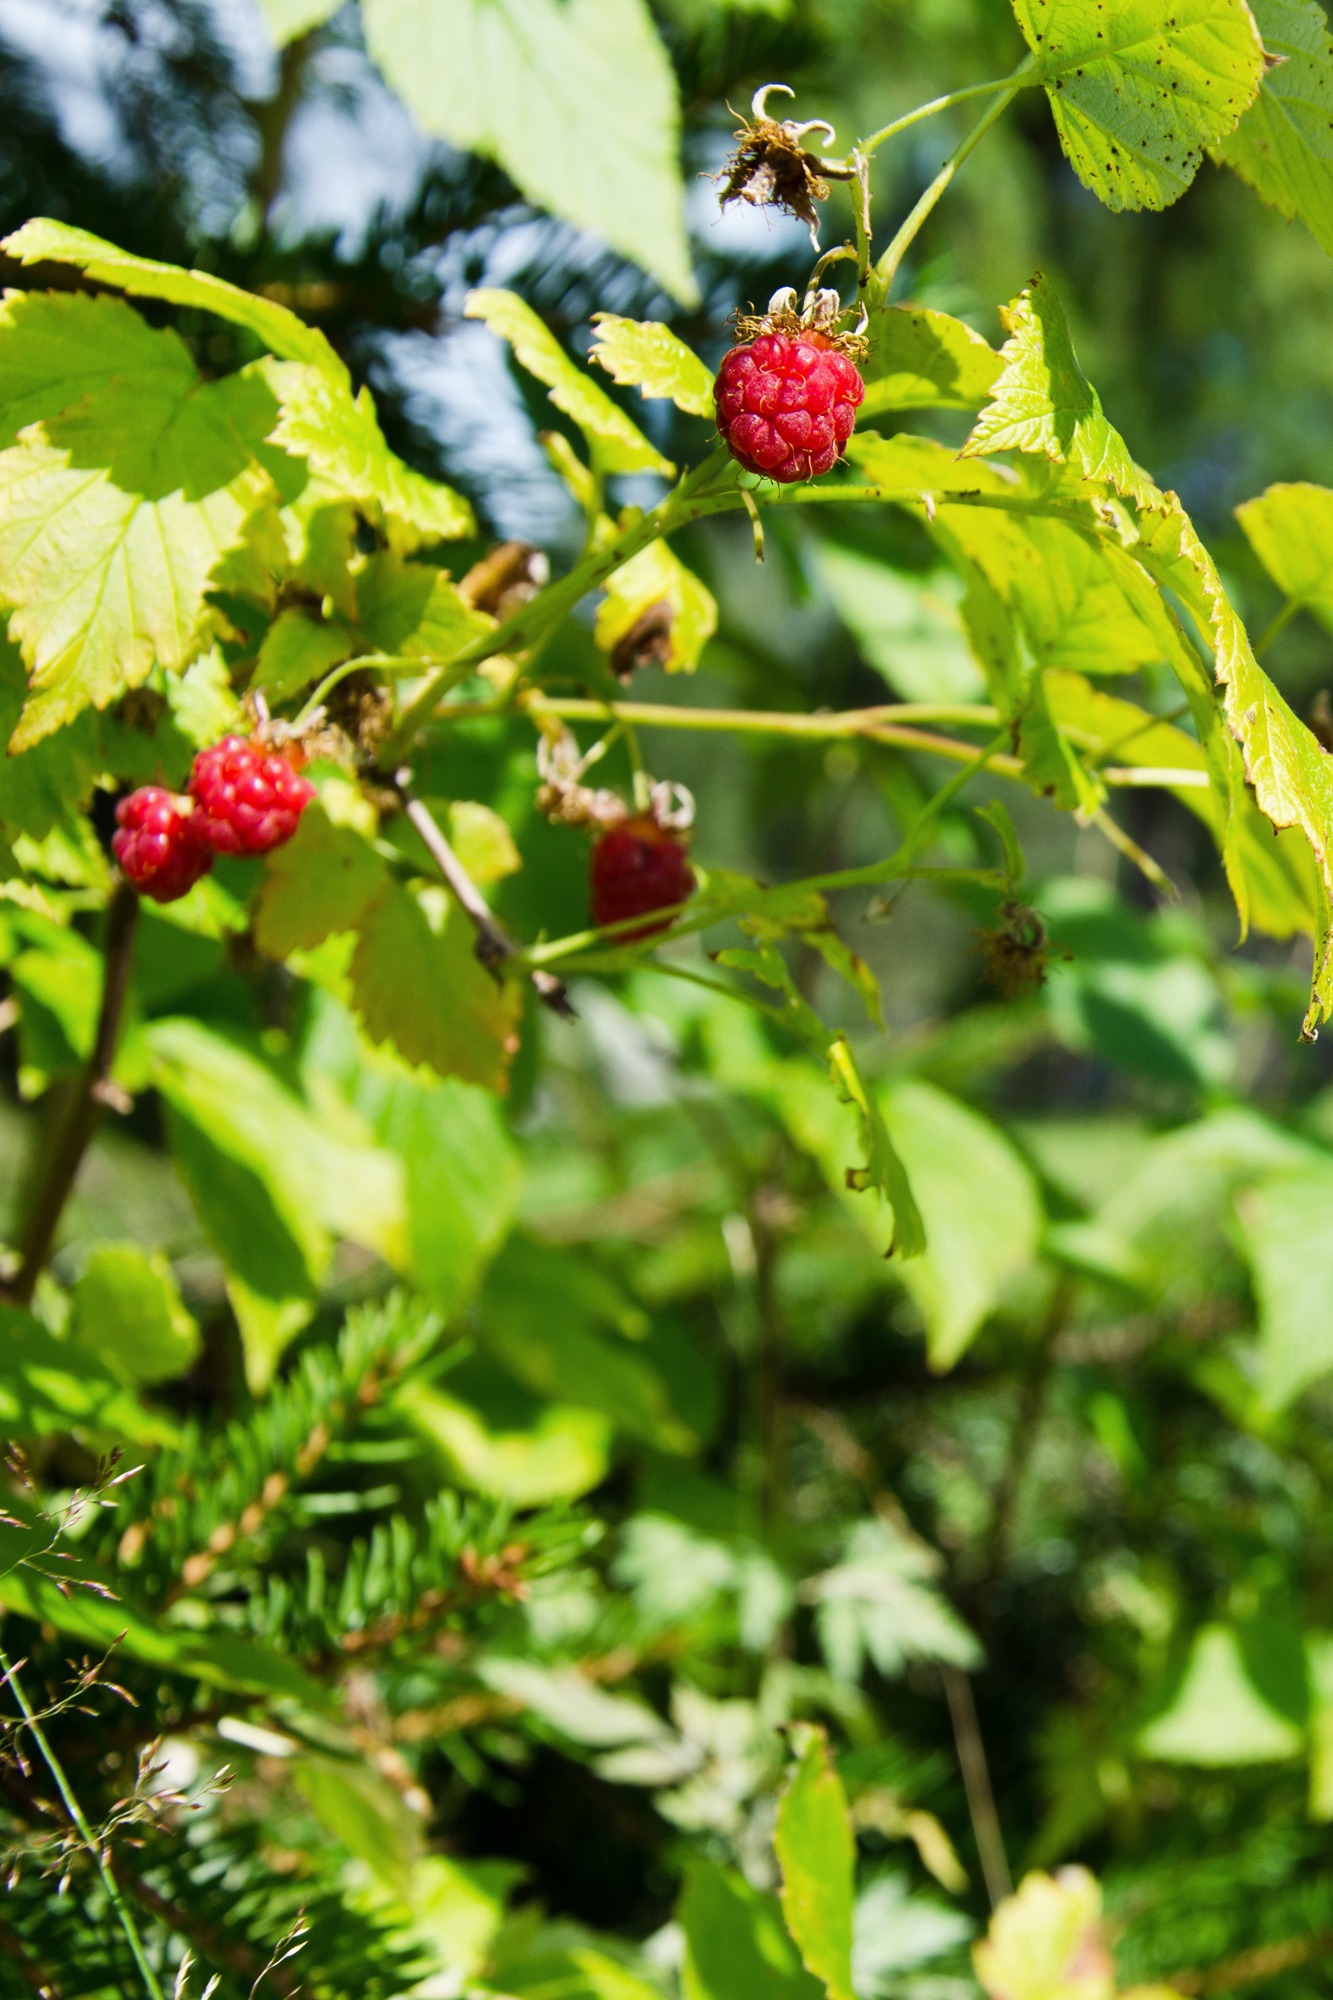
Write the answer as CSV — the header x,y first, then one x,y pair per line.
x,y
643,1393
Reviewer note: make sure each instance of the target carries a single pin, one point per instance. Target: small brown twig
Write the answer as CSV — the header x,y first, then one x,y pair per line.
x,y
494,944
59,1169
976,1783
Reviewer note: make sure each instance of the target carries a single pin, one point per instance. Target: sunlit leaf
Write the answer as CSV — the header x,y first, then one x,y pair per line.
x,y
128,1311
577,103
920,359
1138,91
816,1852
1290,529
339,435
612,436
1043,402
1218,1717
1283,145
43,241
646,355
655,610
1044,1943
417,984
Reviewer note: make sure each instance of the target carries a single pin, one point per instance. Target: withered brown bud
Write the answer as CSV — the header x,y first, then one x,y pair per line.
x,y
773,168
1016,952
647,643
506,577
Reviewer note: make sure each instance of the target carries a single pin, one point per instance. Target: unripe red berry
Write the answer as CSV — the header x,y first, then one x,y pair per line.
x,y
249,799
786,404
159,843
637,868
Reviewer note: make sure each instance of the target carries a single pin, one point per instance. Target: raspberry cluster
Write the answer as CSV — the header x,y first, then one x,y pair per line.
x,y
637,868
786,404
242,799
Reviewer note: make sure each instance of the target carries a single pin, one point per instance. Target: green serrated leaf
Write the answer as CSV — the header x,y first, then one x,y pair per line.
x,y
577,102
1290,529
299,649
318,883
43,788
655,610
43,241
417,984
920,359
1043,402
1138,90
113,520
1283,145
816,1852
646,355
128,1311
618,442
58,347
412,609
1290,772
339,435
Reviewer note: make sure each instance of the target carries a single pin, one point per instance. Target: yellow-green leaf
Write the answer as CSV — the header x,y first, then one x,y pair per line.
x,y
43,241
575,98
646,355
920,359
1138,88
339,435
1290,529
1043,402
655,611
417,984
618,442
816,1852
1283,145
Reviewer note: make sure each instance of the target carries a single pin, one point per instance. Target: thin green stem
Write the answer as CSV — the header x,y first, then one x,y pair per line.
x,y
667,715
689,500
1278,624
936,104
123,1913
886,269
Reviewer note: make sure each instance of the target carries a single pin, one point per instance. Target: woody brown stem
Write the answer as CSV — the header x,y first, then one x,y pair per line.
x,y
77,1120
494,944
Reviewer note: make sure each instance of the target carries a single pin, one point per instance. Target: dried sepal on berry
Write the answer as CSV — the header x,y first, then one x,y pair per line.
x,y
772,166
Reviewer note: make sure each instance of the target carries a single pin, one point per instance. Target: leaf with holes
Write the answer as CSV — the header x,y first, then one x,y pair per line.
x,y
1138,90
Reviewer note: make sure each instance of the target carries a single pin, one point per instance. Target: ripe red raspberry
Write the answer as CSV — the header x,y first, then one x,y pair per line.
x,y
786,404
160,845
636,868
249,800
